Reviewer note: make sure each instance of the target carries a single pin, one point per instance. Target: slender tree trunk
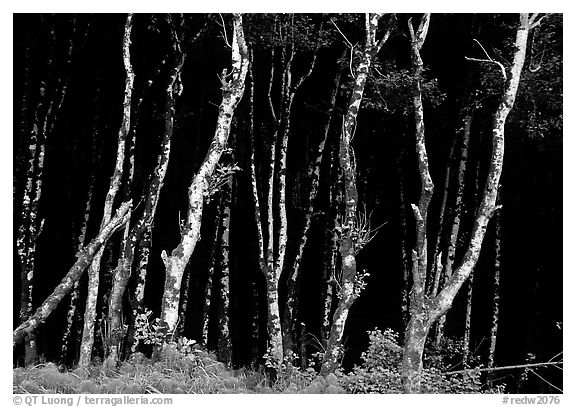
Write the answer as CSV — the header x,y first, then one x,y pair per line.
x,y
290,316
84,257
224,341
458,213
435,274
405,295
94,271
349,233
266,248
124,267
467,322
137,301
209,280
496,296
31,226
425,311
330,254
233,89
71,316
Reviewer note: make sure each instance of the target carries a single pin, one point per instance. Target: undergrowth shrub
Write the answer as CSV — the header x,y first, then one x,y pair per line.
x,y
380,371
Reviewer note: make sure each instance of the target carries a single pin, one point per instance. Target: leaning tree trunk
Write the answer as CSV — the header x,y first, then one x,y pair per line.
x,y
426,311
84,258
94,271
349,238
232,89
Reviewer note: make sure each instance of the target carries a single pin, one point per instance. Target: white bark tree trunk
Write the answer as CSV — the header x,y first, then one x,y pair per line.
x,y
94,271
348,236
232,89
426,311
84,257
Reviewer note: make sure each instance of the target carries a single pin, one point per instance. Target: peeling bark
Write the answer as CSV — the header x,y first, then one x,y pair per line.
x,y
175,263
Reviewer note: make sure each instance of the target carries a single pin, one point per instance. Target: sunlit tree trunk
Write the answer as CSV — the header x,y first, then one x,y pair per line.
x,y
425,311
266,247
349,233
330,254
94,270
124,267
232,91
84,257
419,323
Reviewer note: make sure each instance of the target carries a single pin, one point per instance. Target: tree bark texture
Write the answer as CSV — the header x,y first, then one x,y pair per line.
x,y
496,296
430,310
290,316
349,234
232,89
419,324
124,267
94,271
458,213
84,257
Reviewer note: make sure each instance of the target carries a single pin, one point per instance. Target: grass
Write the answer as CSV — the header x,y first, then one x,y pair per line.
x,y
174,373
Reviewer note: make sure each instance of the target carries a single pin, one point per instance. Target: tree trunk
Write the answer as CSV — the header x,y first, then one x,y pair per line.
x,y
436,274
458,212
175,263
405,295
467,322
330,254
266,248
79,246
94,271
209,280
430,310
496,297
290,316
349,233
84,257
419,324
224,341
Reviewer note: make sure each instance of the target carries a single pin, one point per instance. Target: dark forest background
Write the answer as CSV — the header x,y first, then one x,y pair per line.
x,y
83,139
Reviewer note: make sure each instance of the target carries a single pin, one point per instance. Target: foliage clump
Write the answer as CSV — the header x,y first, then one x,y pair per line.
x,y
380,369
